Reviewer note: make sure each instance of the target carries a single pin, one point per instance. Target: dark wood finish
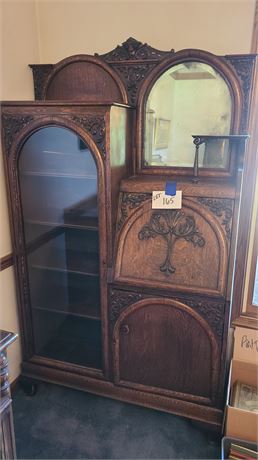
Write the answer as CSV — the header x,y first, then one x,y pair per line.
x,y
8,449
164,276
6,262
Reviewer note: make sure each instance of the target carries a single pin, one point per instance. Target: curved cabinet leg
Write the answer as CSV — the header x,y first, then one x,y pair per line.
x,y
29,386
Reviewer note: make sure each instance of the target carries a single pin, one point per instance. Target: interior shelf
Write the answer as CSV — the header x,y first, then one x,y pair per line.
x,y
77,263
46,174
90,311
87,223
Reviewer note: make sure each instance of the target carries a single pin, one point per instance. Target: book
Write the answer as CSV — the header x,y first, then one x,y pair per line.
x,y
240,452
245,397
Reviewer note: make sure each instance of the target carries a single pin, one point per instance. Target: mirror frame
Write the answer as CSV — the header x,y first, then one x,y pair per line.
x,y
231,79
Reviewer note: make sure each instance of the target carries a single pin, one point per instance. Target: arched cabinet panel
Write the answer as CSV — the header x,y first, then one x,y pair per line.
x,y
84,78
173,249
56,159
166,347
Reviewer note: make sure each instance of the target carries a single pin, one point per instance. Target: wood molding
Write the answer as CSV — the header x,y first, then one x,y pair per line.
x,y
254,45
6,262
245,212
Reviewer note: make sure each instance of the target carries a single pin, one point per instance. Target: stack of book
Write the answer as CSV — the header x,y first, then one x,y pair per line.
x,y
245,397
237,452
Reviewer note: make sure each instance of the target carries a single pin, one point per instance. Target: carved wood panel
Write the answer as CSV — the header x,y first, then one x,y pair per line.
x,y
172,249
163,346
211,310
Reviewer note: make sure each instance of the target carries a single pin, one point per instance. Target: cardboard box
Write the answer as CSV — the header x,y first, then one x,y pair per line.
x,y
243,424
226,443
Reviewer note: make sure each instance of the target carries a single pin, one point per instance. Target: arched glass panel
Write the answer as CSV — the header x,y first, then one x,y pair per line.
x,y
189,98
59,195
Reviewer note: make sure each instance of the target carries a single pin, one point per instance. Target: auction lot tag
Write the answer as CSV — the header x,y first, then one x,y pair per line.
x,y
162,201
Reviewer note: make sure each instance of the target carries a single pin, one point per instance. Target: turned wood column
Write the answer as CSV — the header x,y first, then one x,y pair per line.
x,y
8,450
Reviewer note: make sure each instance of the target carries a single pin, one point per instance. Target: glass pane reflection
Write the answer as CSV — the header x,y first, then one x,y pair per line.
x,y
59,191
189,98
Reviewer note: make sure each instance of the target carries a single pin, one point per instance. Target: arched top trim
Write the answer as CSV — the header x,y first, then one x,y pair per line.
x,y
85,58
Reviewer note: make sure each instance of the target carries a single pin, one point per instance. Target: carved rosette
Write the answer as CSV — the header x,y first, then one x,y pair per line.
x,y
171,225
129,202
132,49
96,127
222,208
12,124
41,73
244,69
119,300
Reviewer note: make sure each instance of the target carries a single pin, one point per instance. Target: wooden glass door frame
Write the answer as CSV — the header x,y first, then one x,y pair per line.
x,y
24,120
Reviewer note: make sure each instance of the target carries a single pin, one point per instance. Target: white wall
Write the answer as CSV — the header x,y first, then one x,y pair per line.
x,y
19,47
46,31
73,27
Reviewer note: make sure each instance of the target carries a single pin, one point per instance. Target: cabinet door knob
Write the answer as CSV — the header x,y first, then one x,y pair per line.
x,y
125,329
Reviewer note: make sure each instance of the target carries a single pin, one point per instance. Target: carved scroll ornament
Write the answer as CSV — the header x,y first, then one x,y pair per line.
x,y
222,208
95,125
130,201
171,225
12,124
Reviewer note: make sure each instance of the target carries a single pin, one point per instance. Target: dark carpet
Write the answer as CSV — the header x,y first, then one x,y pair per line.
x,y
61,423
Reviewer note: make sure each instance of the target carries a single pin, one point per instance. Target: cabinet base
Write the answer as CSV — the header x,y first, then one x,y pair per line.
x,y
212,417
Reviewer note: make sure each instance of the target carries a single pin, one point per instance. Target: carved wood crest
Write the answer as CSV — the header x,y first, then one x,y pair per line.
x,y
132,49
171,225
96,127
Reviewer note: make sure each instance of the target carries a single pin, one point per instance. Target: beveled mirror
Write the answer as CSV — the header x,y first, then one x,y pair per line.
x,y
188,98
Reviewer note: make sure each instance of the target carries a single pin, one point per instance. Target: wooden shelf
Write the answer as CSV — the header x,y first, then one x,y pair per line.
x,y
92,224
82,310
49,174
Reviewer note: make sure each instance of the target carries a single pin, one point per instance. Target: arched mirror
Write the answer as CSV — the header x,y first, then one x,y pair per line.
x,y
59,196
190,98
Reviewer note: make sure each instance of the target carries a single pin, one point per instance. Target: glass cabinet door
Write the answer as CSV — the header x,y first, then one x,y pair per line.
x,y
59,195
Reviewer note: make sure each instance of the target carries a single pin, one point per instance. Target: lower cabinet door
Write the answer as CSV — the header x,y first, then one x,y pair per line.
x,y
164,346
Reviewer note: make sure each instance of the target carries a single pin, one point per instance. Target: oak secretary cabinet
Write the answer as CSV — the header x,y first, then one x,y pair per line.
x,y
114,297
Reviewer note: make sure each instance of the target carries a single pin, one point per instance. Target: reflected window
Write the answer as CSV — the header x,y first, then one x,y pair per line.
x,y
189,98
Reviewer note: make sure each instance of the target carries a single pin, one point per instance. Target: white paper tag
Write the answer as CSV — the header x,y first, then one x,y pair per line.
x,y
162,201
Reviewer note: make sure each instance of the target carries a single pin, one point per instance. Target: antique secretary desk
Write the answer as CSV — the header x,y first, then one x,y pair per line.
x,y
115,297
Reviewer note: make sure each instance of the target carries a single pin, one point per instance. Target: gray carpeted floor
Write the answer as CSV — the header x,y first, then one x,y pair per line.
x,y
60,423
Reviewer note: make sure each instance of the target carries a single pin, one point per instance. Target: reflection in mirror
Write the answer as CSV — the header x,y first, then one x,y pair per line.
x,y
189,98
